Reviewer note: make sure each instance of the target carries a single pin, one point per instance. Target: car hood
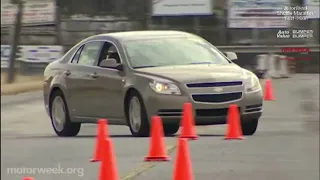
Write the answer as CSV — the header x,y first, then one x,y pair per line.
x,y
198,73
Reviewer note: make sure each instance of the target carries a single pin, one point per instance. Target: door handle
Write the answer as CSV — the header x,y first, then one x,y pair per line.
x,y
67,73
94,75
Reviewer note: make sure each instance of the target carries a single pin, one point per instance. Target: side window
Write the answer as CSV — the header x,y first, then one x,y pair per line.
x,y
90,53
109,51
113,54
104,52
77,55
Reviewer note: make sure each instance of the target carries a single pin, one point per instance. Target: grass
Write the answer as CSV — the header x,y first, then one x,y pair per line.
x,y
21,84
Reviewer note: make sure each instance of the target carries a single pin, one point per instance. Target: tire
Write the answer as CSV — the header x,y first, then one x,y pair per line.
x,y
141,128
65,128
170,129
249,127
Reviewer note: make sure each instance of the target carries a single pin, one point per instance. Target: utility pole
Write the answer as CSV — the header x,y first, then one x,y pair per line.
x,y
58,26
149,14
15,41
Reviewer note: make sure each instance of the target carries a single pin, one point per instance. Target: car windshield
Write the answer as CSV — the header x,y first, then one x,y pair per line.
x,y
172,52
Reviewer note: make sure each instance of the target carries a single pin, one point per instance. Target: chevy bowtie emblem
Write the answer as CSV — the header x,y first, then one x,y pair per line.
x,y
217,89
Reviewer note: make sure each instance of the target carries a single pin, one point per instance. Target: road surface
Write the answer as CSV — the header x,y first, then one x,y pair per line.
x,y
286,145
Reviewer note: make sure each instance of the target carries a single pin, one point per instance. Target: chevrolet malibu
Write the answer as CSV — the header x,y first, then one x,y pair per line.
x,y
128,77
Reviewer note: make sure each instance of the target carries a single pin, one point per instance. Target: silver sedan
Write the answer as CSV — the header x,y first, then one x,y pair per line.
x,y
127,77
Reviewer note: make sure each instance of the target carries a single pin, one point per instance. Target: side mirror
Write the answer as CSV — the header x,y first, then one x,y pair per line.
x,y
111,63
231,55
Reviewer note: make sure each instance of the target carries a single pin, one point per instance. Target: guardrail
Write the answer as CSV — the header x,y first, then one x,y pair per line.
x,y
266,49
256,48
33,59
31,54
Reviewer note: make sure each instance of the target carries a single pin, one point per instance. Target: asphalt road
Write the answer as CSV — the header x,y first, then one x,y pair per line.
x,y
286,145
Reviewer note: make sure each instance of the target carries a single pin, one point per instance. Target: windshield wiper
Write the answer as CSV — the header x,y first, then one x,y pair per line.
x,y
138,67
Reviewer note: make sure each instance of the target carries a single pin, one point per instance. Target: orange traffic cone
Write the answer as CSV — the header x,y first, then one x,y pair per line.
x,y
157,151
102,133
268,93
182,166
187,123
108,168
27,178
233,123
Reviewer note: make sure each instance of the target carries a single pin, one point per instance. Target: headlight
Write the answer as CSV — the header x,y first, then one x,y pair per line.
x,y
165,88
252,84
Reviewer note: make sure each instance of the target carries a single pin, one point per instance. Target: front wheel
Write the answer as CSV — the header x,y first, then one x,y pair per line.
x,y
137,116
60,118
249,127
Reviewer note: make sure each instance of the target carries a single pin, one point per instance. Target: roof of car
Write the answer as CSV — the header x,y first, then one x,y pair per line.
x,y
130,35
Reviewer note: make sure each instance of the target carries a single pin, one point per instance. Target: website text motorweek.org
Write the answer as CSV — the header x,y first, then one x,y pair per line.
x,y
58,170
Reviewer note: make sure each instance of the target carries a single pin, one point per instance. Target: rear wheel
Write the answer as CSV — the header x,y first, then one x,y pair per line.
x,y
249,127
60,118
170,129
137,116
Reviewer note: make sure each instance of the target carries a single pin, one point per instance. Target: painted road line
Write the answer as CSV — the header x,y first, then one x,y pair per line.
x,y
145,166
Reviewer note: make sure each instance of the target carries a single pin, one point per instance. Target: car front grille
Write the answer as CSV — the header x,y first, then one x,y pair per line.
x,y
214,84
217,98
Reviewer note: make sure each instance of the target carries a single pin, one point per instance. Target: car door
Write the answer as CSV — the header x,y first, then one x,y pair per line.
x,y
81,79
71,78
109,81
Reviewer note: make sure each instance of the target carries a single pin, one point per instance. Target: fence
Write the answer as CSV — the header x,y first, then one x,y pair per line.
x,y
77,19
80,20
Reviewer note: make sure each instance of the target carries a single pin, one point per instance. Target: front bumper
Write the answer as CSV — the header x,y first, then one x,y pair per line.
x,y
169,108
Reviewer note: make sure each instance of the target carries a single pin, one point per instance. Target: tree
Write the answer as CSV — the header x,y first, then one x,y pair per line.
x,y
15,41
